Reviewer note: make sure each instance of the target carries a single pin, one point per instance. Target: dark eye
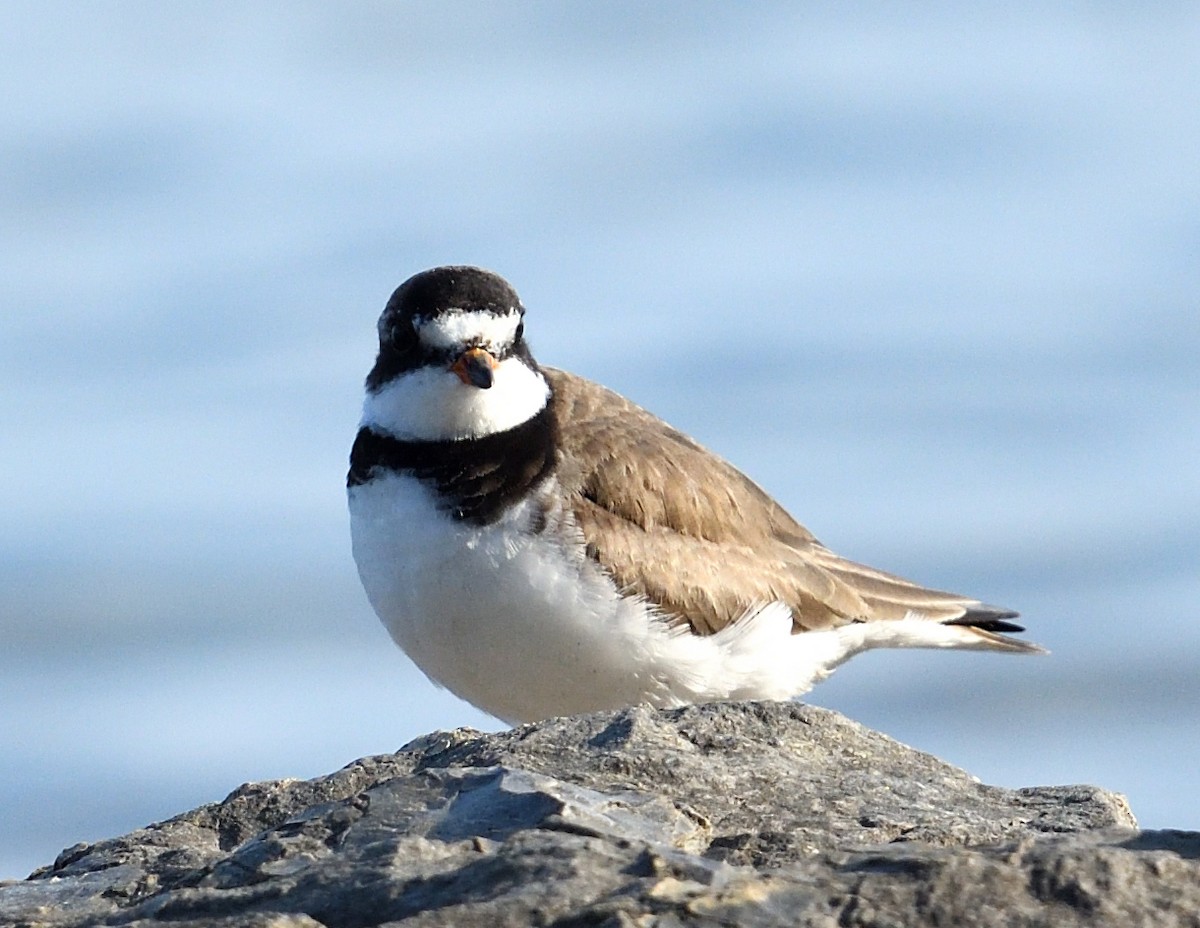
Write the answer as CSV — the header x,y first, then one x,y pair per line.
x,y
402,337
520,331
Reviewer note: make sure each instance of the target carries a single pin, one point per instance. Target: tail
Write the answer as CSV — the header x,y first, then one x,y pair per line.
x,y
990,625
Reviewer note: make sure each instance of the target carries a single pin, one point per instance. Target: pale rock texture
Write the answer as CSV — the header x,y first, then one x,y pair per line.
x,y
755,814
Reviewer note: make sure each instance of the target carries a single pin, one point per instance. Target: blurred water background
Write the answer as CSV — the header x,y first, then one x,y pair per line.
x,y
928,272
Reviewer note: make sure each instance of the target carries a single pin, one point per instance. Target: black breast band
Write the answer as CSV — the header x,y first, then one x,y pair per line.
x,y
476,478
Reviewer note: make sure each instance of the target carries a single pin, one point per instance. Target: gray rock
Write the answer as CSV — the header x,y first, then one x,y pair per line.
x,y
727,814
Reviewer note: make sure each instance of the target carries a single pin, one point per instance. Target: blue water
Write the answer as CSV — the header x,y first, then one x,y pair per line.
x,y
929,274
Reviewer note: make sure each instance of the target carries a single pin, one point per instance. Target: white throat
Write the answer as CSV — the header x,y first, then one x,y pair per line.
x,y
433,404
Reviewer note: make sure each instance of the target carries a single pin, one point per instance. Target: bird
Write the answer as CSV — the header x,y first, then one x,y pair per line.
x,y
541,546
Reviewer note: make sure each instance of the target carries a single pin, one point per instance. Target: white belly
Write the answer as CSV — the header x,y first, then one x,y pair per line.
x,y
524,628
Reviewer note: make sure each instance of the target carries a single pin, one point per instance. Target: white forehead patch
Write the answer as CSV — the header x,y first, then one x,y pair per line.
x,y
453,330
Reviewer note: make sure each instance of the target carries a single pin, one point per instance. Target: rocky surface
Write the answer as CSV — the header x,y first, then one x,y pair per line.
x,y
729,814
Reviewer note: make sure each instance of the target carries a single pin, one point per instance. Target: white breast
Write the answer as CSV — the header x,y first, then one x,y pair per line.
x,y
507,620
525,628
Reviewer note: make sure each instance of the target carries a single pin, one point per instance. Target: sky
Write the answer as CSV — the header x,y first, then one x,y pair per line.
x,y
928,275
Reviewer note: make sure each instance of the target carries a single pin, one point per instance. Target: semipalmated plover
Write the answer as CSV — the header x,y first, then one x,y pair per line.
x,y
541,546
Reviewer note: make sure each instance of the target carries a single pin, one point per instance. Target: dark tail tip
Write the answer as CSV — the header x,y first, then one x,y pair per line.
x,y
988,618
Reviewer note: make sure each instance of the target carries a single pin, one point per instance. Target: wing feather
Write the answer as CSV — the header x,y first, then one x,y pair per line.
x,y
672,522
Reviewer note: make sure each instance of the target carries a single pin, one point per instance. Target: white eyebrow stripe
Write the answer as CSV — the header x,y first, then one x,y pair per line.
x,y
454,329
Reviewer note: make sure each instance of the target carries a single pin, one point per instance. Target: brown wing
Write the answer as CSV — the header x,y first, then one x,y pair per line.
x,y
671,521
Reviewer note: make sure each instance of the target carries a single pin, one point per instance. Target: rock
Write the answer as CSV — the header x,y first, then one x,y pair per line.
x,y
726,814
